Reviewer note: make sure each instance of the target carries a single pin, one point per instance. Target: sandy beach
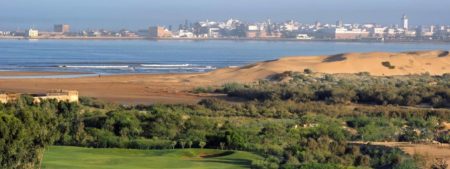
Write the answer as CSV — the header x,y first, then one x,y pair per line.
x,y
174,88
15,74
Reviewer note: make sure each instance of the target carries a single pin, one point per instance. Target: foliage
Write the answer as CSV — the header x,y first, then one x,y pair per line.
x,y
308,122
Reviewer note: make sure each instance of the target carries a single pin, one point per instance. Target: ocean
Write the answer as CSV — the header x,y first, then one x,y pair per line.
x,y
169,56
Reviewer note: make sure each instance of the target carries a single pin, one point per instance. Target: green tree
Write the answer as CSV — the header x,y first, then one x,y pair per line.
x,y
173,144
189,143
202,144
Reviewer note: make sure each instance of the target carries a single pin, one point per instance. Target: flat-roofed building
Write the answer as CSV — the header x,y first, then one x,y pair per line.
x,y
61,28
344,33
8,97
32,33
59,95
378,32
159,32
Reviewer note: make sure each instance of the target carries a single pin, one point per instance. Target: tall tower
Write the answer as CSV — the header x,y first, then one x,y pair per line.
x,y
339,23
405,22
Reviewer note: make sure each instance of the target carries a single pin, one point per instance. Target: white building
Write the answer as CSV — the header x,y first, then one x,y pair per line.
x,y
410,33
344,33
214,33
253,28
185,34
378,32
405,22
290,26
32,33
391,32
303,37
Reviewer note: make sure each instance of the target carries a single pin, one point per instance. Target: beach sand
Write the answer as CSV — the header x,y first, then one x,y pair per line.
x,y
16,74
174,88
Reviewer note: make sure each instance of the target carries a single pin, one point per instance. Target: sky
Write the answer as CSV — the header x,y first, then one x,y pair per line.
x,y
139,14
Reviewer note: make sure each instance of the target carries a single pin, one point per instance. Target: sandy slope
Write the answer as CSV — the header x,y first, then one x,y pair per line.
x,y
433,62
172,88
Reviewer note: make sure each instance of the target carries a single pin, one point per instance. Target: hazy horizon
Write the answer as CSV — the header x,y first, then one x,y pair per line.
x,y
137,14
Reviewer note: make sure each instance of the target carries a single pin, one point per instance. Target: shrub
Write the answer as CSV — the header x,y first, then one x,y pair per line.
x,y
198,90
388,65
307,71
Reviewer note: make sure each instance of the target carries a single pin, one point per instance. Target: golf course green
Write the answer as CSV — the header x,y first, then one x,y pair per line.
x,y
63,157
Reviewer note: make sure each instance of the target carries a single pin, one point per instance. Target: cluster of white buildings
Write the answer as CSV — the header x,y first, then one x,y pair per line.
x,y
291,29
342,31
233,28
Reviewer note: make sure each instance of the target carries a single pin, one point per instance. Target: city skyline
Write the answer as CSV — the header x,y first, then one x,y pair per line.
x,y
137,14
76,28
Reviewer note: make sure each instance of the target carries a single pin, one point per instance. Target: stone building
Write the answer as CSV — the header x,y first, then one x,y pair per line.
x,y
8,97
59,95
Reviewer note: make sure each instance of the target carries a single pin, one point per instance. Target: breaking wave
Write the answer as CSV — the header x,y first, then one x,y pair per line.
x,y
166,65
95,66
137,67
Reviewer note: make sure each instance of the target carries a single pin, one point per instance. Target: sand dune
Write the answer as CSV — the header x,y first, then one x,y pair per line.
x,y
432,62
173,88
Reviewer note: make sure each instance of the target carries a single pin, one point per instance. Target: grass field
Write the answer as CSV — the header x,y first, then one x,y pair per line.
x,y
61,157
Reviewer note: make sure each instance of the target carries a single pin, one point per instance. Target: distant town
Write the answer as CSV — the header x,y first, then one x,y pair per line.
x,y
266,30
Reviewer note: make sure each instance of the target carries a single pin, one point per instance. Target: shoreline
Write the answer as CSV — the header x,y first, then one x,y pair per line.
x,y
124,89
175,88
228,39
8,73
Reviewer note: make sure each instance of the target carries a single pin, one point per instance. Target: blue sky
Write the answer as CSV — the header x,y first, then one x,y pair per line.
x,y
135,14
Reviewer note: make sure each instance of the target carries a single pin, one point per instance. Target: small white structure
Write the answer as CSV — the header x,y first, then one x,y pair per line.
x,y
185,34
32,33
303,37
405,22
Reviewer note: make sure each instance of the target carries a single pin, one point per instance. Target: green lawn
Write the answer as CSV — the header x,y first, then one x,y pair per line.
x,y
60,157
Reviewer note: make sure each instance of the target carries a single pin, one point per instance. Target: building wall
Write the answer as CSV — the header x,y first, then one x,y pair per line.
x,y
3,98
351,35
32,33
62,28
59,95
158,32
256,34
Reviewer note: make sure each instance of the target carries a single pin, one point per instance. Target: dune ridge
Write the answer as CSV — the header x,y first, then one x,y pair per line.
x,y
375,63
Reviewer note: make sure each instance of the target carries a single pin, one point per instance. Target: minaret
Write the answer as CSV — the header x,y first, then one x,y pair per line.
x,y
405,22
339,23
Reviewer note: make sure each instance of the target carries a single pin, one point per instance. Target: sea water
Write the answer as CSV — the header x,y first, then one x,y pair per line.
x,y
170,56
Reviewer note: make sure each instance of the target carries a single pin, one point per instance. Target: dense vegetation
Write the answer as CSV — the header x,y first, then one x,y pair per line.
x,y
423,90
302,122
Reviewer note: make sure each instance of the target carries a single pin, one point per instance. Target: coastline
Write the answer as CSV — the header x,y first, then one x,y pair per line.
x,y
28,73
175,88
125,89
227,39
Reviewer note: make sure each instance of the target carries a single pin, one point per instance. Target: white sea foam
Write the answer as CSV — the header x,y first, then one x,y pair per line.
x,y
95,66
178,68
166,65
